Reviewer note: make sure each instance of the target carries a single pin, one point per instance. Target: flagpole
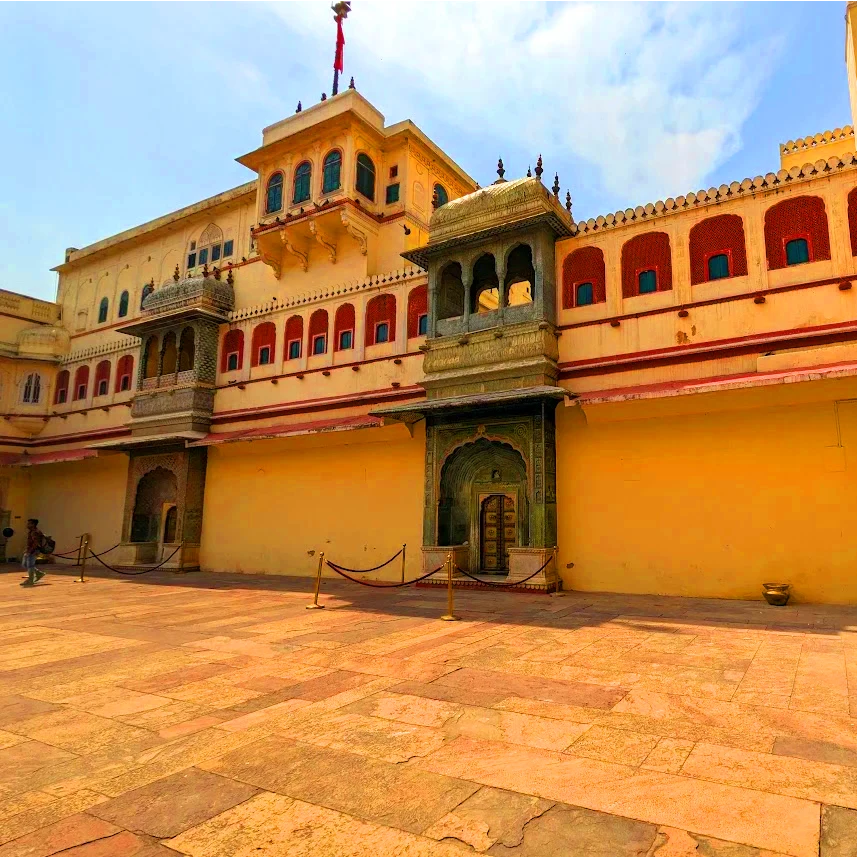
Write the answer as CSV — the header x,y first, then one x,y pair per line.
x,y
340,13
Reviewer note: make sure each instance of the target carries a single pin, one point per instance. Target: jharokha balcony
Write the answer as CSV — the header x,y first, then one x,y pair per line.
x,y
178,333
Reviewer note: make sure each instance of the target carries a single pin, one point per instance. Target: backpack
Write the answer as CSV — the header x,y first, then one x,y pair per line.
x,y
47,545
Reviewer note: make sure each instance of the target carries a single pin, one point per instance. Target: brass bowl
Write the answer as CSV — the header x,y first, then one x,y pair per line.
x,y
776,594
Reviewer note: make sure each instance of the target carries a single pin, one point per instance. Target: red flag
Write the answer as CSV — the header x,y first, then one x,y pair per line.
x,y
340,45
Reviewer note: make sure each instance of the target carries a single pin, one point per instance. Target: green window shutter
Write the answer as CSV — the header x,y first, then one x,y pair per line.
x,y
718,267
797,251
648,282
583,296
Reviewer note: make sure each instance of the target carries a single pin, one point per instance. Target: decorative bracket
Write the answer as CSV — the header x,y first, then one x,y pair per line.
x,y
354,230
273,262
327,244
302,257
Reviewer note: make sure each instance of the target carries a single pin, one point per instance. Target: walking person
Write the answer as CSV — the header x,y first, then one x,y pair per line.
x,y
34,541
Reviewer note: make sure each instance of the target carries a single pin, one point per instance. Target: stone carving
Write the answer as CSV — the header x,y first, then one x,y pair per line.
x,y
326,243
355,231
290,247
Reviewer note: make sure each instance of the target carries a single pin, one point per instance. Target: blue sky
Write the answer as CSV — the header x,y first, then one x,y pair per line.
x,y
116,113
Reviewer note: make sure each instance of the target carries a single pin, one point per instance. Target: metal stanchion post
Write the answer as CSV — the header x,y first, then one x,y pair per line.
x,y
558,589
450,603
404,548
82,579
79,549
315,605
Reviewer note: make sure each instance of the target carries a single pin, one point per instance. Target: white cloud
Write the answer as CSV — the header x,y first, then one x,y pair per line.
x,y
652,96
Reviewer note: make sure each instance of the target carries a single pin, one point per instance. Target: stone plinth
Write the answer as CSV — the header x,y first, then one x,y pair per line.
x,y
435,555
524,561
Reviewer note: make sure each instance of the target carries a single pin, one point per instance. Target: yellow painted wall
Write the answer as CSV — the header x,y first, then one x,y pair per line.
x,y
270,506
80,496
712,495
14,496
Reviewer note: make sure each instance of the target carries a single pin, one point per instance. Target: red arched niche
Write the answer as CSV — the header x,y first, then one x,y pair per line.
x,y
584,265
648,252
798,217
417,306
713,236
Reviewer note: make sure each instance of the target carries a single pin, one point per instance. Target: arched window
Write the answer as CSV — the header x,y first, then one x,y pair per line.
x,y
583,278
343,328
381,320
294,336
232,352
450,292
303,177
646,264
520,276
439,195
318,332
169,355
32,389
61,394
186,350
263,343
150,358
366,176
274,194
209,248
123,304
103,309
81,382
147,290
801,219
720,236
485,290
102,378
332,172
417,312
124,373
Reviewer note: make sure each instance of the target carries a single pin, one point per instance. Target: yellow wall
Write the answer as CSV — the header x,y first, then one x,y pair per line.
x,y
356,495
80,496
712,495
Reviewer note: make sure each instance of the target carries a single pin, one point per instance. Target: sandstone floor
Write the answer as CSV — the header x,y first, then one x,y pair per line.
x,y
214,716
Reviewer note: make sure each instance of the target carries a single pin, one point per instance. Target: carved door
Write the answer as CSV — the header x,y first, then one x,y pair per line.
x,y
498,531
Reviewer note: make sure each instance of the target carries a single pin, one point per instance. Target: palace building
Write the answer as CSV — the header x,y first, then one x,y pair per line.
x,y
361,348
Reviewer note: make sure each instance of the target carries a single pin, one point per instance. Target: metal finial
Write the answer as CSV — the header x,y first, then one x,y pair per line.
x,y
229,278
324,96
216,273
500,171
568,201
529,173
539,169
152,282
299,108
176,274
205,270
351,85
555,187
435,200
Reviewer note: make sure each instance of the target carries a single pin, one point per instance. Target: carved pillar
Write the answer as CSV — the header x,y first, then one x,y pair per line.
x,y
500,267
467,282
429,497
432,299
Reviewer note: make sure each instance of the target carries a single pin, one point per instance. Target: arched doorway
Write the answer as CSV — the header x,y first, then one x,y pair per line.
x,y
484,503
155,490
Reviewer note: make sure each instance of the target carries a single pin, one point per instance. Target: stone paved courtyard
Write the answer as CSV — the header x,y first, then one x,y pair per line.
x,y
214,716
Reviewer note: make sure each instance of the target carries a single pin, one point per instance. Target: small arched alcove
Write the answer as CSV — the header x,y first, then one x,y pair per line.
x,y
520,276
484,502
485,291
186,350
450,293
156,490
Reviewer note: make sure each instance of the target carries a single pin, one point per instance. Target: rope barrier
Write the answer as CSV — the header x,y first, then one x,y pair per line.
x,y
380,585
135,573
504,585
96,555
365,570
